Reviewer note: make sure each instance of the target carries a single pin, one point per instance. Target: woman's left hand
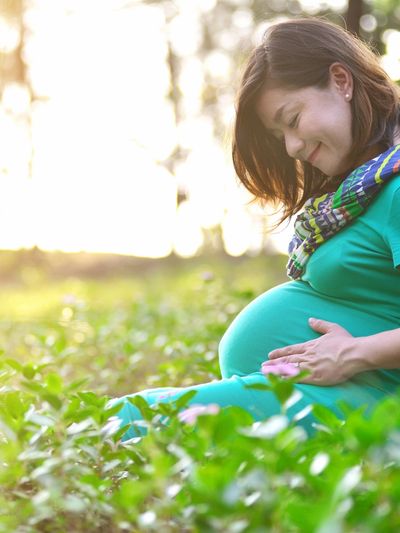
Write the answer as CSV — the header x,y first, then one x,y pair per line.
x,y
330,359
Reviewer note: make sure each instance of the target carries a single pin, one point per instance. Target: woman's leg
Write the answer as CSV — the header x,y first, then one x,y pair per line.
x,y
225,392
261,404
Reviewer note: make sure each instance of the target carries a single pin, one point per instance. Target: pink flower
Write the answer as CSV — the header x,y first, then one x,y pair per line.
x,y
281,369
189,415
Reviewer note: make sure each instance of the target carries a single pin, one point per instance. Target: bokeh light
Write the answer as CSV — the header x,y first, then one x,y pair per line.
x,y
87,160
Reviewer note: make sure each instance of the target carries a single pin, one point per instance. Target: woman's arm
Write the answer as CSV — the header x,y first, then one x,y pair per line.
x,y
381,350
336,355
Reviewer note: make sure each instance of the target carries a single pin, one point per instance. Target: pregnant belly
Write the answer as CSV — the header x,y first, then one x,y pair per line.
x,y
279,317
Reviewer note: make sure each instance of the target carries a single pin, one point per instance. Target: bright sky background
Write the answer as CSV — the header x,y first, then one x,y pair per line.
x,y
103,122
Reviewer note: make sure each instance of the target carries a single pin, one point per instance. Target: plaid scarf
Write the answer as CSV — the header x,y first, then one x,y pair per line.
x,y
325,215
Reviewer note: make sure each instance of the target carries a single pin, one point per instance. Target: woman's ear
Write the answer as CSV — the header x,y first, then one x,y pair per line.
x,y
342,80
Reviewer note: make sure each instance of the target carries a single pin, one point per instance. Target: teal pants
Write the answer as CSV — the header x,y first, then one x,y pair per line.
x,y
242,350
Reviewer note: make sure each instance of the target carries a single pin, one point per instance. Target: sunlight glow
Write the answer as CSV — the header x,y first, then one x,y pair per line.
x,y
188,234
235,241
97,186
81,165
391,60
9,36
16,99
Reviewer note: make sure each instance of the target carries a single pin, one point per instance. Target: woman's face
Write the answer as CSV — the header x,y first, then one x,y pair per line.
x,y
314,123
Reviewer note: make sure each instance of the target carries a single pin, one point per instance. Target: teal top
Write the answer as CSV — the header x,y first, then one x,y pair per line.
x,y
352,279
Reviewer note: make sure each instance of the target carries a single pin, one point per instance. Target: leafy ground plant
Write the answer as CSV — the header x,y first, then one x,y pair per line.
x,y
63,467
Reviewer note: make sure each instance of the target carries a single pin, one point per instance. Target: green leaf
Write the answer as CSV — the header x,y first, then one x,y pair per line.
x,y
53,400
29,371
14,364
54,383
259,386
130,494
325,415
185,398
76,384
14,403
144,408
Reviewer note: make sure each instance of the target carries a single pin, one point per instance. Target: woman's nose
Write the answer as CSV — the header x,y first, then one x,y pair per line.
x,y
294,145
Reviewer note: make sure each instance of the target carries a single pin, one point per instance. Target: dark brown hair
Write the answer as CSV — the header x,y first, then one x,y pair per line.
x,y
298,54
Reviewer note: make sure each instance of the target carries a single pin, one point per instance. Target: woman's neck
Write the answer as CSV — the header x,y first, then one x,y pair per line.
x,y
368,154
332,182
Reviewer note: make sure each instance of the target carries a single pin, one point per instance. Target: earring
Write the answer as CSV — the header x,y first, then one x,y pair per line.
x,y
347,96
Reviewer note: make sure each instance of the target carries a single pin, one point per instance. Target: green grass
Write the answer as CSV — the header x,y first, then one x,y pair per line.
x,y
67,346
123,333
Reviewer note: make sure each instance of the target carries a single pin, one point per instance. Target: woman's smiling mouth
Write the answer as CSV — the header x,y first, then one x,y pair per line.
x,y
313,154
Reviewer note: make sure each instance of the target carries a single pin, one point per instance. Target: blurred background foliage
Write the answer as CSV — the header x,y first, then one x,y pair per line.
x,y
207,43
230,28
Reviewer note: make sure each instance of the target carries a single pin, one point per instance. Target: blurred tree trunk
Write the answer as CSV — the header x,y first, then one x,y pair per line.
x,y
355,10
20,68
13,68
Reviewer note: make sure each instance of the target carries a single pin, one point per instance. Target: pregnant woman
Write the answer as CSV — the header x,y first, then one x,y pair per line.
x,y
317,132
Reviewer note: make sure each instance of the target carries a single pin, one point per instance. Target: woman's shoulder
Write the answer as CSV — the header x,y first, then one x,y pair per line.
x,y
390,188
386,200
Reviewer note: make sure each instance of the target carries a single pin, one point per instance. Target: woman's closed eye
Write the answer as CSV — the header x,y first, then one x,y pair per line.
x,y
293,123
